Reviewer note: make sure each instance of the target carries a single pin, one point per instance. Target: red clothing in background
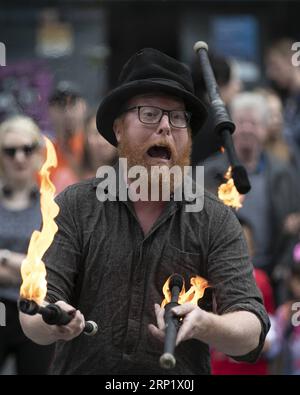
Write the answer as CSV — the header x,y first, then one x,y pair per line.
x,y
65,173
223,365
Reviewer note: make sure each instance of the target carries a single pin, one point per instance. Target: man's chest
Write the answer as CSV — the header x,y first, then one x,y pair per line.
x,y
147,218
119,253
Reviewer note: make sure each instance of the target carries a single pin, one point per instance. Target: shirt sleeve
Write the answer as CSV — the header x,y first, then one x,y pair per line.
x,y
231,274
63,257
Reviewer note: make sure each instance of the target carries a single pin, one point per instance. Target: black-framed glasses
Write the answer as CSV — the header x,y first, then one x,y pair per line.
x,y
26,149
151,115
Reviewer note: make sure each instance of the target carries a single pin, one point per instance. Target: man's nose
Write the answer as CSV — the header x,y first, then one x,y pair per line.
x,y
164,126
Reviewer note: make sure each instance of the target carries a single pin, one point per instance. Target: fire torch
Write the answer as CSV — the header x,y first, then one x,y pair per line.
x,y
34,286
167,360
174,292
223,124
52,314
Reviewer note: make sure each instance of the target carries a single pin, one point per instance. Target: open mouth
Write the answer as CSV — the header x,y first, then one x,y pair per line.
x,y
159,151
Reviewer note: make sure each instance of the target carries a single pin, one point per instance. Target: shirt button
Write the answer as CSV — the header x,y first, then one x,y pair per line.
x,y
126,357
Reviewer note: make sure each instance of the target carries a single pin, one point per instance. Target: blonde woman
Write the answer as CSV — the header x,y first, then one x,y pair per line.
x,y
21,151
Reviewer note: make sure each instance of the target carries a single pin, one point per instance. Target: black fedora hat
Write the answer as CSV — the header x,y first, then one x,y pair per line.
x,y
150,70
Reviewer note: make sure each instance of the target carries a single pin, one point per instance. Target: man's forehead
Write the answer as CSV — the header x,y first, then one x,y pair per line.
x,y
155,98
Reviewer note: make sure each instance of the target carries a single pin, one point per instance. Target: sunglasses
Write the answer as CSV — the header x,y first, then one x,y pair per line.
x,y
26,149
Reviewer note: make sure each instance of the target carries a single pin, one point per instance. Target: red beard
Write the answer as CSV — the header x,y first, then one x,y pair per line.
x,y
136,155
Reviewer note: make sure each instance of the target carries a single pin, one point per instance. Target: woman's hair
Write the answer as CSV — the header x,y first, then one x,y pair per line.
x,y
23,125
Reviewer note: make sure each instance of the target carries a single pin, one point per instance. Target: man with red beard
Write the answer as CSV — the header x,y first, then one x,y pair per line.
x,y
110,259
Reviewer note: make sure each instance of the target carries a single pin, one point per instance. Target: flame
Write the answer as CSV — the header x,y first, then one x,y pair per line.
x,y
33,271
222,150
228,193
196,291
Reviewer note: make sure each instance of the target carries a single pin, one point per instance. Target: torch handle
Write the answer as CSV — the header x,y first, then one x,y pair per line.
x,y
221,116
223,124
90,328
54,315
239,173
167,360
172,326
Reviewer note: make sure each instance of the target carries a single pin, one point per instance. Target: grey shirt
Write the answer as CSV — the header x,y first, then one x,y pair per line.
x,y
101,262
256,210
16,227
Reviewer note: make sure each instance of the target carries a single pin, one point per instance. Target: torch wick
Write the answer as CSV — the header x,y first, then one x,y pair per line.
x,y
29,307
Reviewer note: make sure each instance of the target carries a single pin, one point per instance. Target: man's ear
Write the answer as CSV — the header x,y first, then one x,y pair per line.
x,y
117,127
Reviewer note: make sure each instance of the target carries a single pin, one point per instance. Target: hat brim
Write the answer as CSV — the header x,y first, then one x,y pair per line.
x,y
110,107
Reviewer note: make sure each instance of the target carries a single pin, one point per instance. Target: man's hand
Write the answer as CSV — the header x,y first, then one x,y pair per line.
x,y
193,324
159,331
236,333
73,328
41,333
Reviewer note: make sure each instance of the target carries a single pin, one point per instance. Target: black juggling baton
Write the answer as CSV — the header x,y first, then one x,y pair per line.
x,y
52,314
168,360
223,124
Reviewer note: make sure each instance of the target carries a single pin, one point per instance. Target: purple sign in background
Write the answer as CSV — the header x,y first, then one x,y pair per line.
x,y
24,89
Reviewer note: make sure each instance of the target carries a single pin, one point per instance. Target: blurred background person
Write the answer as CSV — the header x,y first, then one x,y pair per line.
x,y
67,112
223,364
277,147
275,143
207,142
274,195
21,146
97,151
285,77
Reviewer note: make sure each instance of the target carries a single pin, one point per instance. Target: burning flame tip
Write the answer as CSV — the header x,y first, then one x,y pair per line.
x,y
228,193
33,271
196,291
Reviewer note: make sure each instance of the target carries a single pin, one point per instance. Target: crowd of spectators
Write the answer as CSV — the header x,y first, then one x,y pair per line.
x,y
267,141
